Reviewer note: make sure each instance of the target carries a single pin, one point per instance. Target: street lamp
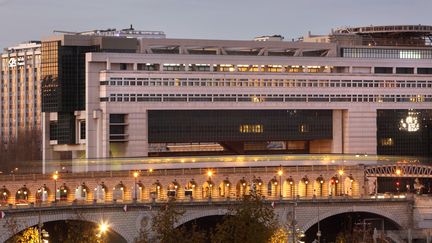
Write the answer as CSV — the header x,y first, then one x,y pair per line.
x,y
135,175
210,183
306,182
320,180
280,173
55,178
341,172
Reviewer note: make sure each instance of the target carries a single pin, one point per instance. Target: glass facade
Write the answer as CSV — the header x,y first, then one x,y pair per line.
x,y
386,53
185,126
404,132
63,85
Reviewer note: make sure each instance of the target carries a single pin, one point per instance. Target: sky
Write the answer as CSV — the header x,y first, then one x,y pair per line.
x,y
22,20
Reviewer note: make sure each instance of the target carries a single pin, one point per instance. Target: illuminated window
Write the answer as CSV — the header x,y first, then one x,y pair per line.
x,y
251,128
410,123
387,142
303,128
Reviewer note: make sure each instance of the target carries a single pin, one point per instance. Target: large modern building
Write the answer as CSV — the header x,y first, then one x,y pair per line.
x,y
20,89
361,90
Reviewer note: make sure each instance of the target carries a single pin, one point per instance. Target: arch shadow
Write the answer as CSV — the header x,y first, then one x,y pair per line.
x,y
351,222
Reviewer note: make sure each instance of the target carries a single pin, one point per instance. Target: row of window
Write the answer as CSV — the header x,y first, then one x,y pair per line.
x,y
274,68
245,82
386,53
264,98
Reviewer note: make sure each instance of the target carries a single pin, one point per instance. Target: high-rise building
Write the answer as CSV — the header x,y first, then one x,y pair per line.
x,y
20,89
358,91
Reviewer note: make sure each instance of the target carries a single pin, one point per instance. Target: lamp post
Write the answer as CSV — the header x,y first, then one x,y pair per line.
x,y
341,172
210,186
318,231
280,173
135,175
55,177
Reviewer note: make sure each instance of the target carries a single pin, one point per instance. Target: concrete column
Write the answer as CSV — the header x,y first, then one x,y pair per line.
x,y
93,109
47,149
135,66
337,142
137,145
359,131
108,64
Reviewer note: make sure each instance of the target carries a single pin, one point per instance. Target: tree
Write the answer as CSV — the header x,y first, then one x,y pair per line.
x,y
164,227
249,222
22,152
30,235
75,231
279,236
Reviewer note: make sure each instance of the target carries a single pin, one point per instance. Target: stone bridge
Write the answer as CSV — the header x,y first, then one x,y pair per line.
x,y
128,224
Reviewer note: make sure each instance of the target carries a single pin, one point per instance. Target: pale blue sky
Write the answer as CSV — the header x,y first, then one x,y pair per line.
x,y
23,20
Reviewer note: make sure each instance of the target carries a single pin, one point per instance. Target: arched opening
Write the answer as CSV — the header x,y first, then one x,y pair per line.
x,y
22,196
225,188
4,196
42,194
173,189
70,231
241,188
350,227
335,186
351,186
81,193
119,192
137,191
208,189
320,187
273,188
156,191
305,187
290,190
257,185
100,193
62,193
190,189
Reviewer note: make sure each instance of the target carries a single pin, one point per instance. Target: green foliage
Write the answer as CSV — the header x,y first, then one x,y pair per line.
x,y
74,231
250,222
164,227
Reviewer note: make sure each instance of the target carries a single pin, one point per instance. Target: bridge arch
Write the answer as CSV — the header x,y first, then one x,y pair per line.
x,y
196,214
359,209
47,218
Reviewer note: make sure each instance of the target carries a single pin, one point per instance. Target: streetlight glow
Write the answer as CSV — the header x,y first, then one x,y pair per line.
x,y
135,174
341,172
398,172
55,177
103,227
280,172
209,173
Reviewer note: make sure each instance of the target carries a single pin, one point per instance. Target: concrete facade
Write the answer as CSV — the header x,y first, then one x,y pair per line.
x,y
348,86
20,90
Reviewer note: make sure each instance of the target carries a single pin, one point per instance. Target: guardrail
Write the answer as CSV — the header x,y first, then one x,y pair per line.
x,y
63,205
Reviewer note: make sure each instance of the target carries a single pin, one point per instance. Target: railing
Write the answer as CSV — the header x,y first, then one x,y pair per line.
x,y
61,205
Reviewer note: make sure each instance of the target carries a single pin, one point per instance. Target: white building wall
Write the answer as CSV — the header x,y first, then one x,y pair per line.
x,y
359,131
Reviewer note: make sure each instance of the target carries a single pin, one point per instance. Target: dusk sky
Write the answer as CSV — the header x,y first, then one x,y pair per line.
x,y
23,20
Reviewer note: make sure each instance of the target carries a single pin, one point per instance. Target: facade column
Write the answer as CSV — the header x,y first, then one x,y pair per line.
x,y
337,141
359,131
